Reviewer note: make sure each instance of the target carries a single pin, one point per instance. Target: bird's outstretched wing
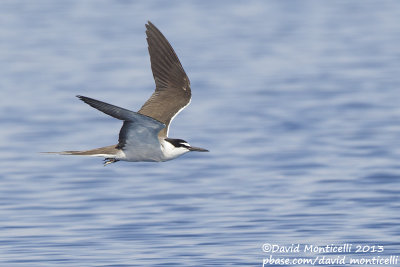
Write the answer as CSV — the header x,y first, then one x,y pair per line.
x,y
138,130
172,92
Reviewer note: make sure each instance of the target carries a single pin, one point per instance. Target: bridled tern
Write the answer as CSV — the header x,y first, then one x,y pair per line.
x,y
144,134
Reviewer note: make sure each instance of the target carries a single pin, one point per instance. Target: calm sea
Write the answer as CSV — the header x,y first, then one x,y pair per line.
x,y
297,101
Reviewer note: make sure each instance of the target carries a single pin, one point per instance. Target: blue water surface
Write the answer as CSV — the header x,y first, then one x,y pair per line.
x,y
297,101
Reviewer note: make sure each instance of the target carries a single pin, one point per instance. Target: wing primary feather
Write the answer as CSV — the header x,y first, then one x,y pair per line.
x,y
161,43
113,111
172,84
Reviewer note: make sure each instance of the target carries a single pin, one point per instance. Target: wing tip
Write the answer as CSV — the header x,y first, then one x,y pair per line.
x,y
87,100
149,24
82,98
152,30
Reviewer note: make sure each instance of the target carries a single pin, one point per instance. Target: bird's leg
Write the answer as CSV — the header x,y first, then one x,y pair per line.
x,y
109,160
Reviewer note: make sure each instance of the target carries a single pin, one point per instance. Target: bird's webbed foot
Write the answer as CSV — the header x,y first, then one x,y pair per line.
x,y
109,160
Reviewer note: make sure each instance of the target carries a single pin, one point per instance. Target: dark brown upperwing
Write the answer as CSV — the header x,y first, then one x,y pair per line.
x,y
172,84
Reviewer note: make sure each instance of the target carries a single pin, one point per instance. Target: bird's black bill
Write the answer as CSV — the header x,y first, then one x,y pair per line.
x,y
199,149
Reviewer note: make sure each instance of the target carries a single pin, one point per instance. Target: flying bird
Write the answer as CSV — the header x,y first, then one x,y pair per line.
x,y
144,134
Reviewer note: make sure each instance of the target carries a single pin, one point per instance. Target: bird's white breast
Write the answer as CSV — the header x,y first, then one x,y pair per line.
x,y
170,151
166,151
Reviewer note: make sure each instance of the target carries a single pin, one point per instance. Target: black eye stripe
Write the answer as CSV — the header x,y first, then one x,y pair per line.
x,y
177,142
